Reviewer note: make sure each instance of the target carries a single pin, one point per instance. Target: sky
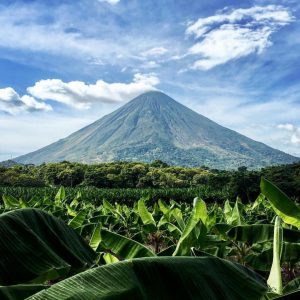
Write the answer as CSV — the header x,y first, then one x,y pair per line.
x,y
65,64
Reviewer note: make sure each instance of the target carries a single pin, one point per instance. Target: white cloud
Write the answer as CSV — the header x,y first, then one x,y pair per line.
x,y
287,126
227,43
112,2
12,103
156,51
235,34
295,132
81,95
267,14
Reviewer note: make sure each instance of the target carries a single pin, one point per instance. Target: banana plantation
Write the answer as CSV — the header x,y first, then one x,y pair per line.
x,y
68,248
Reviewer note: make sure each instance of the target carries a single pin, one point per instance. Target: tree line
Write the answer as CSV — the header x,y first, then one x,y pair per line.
x,y
241,182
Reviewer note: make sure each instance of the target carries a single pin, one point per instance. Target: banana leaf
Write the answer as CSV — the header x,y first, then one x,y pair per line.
x,y
188,235
145,215
290,291
122,246
60,196
20,291
262,261
260,233
166,278
283,206
10,202
37,246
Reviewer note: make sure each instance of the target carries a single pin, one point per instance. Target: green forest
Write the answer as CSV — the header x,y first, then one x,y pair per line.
x,y
124,181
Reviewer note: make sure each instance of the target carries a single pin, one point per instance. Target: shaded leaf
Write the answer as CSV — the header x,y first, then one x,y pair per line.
x,y
35,245
123,247
20,292
161,278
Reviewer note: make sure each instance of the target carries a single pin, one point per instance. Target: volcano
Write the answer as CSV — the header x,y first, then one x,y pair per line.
x,y
154,126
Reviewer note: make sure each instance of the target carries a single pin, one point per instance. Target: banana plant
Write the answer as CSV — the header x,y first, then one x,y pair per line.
x,y
195,226
283,206
289,212
156,277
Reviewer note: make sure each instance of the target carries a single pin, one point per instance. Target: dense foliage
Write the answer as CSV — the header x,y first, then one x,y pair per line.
x,y
216,185
128,195
252,248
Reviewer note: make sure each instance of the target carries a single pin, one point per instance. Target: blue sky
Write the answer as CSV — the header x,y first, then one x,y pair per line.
x,y
64,64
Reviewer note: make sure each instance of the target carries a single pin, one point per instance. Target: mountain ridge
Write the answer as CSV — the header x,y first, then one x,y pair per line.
x,y
155,126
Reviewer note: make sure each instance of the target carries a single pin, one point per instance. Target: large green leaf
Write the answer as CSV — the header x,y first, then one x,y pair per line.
x,y
20,291
201,209
161,278
35,245
145,215
199,213
227,211
96,237
251,234
60,196
232,215
263,260
163,207
78,220
291,253
281,203
291,290
123,247
10,202
177,214
236,217
260,233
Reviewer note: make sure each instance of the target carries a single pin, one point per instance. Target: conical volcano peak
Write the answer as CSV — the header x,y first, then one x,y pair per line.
x,y
154,126
153,97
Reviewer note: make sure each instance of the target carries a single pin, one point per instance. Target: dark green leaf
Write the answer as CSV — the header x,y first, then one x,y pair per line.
x,y
166,278
34,245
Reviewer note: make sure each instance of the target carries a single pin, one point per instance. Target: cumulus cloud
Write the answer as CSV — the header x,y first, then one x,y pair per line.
x,y
156,51
235,34
12,103
80,95
294,130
